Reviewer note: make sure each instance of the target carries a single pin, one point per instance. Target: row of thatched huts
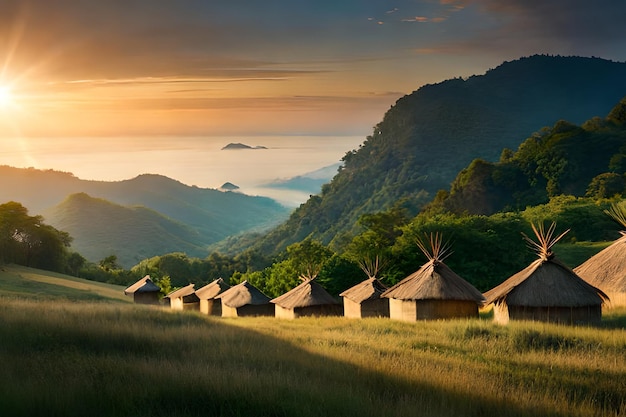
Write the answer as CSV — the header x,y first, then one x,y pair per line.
x,y
546,290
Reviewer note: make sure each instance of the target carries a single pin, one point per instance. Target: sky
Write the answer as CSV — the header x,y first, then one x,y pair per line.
x,y
94,68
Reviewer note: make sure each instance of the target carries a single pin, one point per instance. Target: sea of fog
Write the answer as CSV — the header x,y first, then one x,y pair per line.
x,y
198,161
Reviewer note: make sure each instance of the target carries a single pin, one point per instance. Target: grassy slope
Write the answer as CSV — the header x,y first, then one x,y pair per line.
x,y
20,281
122,359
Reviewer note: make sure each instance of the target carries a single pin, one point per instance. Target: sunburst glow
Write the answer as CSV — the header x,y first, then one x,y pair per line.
x,y
6,96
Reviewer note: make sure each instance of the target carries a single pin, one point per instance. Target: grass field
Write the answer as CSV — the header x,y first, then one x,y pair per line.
x,y
23,282
64,357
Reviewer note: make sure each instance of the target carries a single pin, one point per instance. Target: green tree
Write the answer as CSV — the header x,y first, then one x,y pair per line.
x,y
109,263
27,240
606,185
308,257
75,262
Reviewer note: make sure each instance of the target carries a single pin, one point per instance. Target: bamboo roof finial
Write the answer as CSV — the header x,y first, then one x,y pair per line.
x,y
438,250
618,213
546,239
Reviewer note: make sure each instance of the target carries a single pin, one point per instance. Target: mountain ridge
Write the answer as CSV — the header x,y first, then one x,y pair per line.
x,y
213,214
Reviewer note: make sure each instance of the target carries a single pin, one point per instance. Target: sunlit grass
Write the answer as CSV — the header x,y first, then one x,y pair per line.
x,y
20,281
105,359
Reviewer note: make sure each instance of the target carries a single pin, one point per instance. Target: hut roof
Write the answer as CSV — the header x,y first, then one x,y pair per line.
x,y
145,284
546,282
243,294
607,268
308,293
212,289
370,289
434,281
182,292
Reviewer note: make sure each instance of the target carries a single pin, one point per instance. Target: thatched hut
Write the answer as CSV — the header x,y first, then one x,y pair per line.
x,y
144,291
364,300
434,291
546,290
244,299
307,299
184,299
208,303
606,270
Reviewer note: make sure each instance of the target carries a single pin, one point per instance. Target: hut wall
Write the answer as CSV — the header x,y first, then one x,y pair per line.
x,y
374,308
284,313
446,309
256,310
146,297
229,311
195,305
501,313
176,303
565,315
411,310
351,309
309,311
212,307
318,310
402,309
369,308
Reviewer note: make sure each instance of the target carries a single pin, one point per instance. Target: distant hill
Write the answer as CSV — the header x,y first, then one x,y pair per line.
x,y
229,186
212,214
310,182
239,146
428,136
101,228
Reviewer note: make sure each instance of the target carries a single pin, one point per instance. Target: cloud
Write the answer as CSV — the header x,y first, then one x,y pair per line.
x,y
420,19
508,29
580,26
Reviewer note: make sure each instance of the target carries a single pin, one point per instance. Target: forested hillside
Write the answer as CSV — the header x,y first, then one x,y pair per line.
x,y
428,136
100,228
565,159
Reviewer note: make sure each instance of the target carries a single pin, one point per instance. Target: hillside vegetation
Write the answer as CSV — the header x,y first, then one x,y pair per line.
x,y
101,228
565,159
427,137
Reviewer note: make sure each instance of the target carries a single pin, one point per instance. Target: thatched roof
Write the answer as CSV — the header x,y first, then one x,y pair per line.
x,y
370,289
212,289
546,282
607,268
182,292
243,294
145,284
434,280
308,293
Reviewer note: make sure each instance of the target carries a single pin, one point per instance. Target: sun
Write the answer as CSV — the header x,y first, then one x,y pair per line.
x,y
6,97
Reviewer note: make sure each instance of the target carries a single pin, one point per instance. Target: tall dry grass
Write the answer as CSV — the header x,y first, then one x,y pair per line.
x,y
119,360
